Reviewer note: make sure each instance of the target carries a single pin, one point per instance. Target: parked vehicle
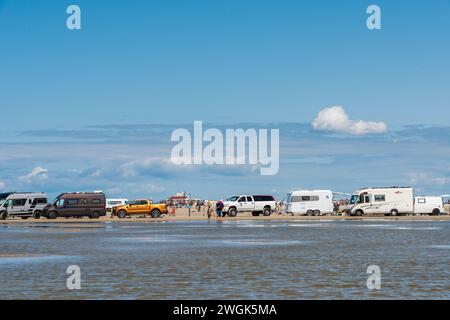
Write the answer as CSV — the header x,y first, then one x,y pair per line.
x,y
24,205
256,204
111,203
77,204
388,201
140,207
310,202
429,205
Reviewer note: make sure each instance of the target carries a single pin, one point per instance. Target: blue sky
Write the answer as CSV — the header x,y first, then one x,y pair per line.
x,y
163,64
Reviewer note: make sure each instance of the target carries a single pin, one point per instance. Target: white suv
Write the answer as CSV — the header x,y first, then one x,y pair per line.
x,y
256,204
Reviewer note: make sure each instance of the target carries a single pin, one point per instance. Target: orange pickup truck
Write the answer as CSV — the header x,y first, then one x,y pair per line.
x,y
140,207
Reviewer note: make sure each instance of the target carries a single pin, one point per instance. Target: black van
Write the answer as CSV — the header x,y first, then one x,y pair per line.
x,y
78,204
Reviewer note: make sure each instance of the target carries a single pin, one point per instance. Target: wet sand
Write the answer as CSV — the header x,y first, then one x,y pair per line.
x,y
182,214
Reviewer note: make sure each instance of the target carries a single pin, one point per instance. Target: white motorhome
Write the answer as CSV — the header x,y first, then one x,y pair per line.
x,y
255,204
111,203
310,202
432,205
24,205
388,201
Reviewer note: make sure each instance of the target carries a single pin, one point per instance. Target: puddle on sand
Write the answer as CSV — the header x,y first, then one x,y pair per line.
x,y
441,246
256,242
31,258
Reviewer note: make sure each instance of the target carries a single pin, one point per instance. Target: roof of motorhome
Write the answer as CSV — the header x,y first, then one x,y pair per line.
x,y
386,188
78,194
304,190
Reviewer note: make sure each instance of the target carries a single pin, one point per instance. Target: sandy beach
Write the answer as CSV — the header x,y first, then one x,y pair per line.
x,y
183,214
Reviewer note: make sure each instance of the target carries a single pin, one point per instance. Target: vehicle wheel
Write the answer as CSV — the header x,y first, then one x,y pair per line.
x,y
394,213
267,212
53,215
359,213
3,215
309,213
436,212
37,215
255,214
122,214
155,213
232,212
317,212
24,218
94,215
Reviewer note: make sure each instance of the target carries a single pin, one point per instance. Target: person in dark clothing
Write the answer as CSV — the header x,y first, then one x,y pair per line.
x,y
219,210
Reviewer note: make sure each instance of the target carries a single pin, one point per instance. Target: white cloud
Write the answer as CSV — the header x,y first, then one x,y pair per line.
x,y
335,119
2,186
36,172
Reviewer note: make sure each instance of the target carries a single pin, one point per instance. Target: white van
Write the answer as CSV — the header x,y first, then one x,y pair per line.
x,y
429,205
24,205
111,203
388,201
310,202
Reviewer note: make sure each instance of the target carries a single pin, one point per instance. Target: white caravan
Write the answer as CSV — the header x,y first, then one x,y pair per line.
x,y
111,203
310,202
429,205
388,201
23,205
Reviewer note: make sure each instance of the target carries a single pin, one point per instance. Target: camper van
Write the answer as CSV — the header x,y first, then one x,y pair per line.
x,y
24,205
310,202
431,205
391,201
77,204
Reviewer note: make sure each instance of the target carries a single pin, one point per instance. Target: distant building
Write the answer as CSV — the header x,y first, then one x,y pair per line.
x,y
179,199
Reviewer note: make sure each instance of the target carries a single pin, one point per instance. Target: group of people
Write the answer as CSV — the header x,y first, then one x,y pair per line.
x,y
218,208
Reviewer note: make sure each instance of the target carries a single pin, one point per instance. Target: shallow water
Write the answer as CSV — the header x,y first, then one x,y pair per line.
x,y
233,260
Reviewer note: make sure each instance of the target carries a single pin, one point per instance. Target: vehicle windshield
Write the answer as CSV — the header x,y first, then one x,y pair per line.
x,y
2,201
354,199
233,198
55,201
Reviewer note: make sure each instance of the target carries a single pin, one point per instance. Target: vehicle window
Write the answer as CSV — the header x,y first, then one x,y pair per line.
x,y
305,198
135,202
95,201
234,198
72,202
249,199
366,198
143,202
296,199
421,200
354,199
60,202
380,197
242,199
19,202
263,198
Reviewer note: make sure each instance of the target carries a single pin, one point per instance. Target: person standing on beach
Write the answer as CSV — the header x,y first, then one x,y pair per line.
x,y
219,212
208,211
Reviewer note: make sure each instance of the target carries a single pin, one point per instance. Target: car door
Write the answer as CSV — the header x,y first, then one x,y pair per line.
x,y
71,207
368,204
250,204
144,207
18,206
133,207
